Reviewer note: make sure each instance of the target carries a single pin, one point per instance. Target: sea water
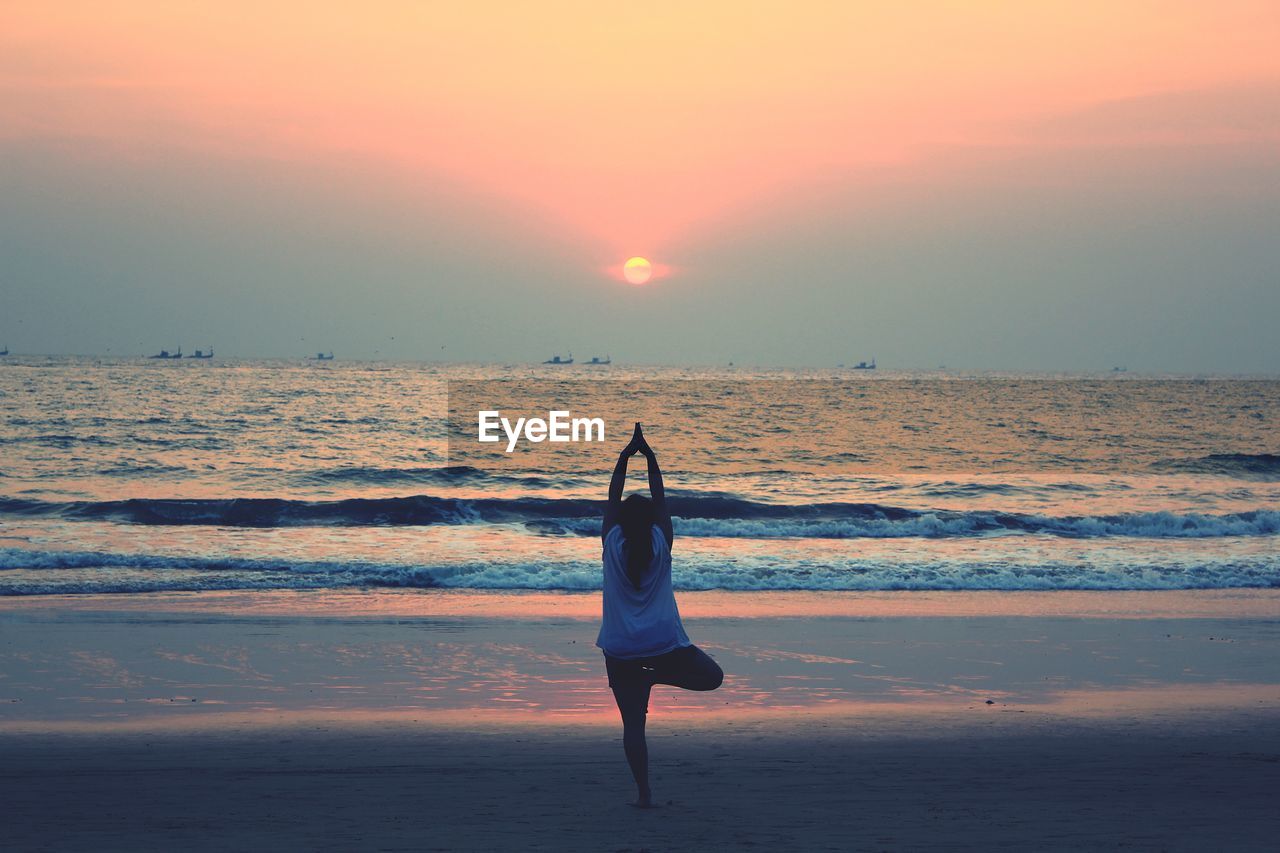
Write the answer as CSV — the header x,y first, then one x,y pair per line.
x,y
132,475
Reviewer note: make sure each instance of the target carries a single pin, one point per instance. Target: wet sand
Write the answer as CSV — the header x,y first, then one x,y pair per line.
x,y
1010,782
407,721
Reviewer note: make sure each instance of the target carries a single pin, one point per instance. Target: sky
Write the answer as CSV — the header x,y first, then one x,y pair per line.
x,y
1043,186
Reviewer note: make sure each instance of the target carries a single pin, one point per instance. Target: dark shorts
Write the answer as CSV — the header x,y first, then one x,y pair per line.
x,y
689,668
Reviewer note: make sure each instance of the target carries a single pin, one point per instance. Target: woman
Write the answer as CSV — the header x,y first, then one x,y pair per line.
x,y
643,641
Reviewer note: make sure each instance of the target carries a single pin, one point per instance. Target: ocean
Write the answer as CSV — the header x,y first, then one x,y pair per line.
x,y
127,475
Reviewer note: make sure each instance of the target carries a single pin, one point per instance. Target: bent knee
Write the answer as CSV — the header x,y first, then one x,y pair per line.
x,y
711,678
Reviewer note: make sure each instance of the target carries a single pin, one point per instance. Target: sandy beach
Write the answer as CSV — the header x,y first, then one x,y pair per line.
x,y
399,720
822,783
819,782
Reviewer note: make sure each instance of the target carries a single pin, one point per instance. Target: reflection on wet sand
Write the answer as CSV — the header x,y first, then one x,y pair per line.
x,y
292,654
437,606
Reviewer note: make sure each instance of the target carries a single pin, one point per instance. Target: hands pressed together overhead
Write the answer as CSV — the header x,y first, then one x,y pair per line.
x,y
657,493
638,444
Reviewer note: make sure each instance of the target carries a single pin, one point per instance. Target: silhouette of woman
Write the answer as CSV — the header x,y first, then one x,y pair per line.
x,y
643,641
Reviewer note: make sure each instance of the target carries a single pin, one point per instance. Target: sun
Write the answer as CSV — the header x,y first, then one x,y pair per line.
x,y
637,270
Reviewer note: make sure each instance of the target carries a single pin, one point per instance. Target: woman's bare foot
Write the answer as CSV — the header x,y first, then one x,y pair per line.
x,y
644,800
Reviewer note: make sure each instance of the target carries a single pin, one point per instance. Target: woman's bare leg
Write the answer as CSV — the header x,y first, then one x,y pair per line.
x,y
633,703
637,749
689,668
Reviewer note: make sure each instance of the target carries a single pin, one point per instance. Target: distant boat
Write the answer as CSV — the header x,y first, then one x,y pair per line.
x,y
1119,369
595,359
322,357
863,365
555,359
202,354
5,351
164,353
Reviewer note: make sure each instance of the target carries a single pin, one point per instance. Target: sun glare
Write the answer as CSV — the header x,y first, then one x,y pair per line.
x,y
637,270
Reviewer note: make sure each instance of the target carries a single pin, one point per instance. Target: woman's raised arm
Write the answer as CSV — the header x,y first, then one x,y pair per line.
x,y
657,493
618,483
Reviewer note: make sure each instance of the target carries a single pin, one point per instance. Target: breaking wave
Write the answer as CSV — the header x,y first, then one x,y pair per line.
x,y
35,572
717,516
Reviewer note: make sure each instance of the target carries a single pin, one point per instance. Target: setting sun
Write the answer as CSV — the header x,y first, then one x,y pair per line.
x,y
637,270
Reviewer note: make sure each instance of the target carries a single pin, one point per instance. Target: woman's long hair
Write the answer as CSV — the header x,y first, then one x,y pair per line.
x,y
636,520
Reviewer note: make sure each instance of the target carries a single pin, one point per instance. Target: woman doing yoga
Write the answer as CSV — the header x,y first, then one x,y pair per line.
x,y
643,641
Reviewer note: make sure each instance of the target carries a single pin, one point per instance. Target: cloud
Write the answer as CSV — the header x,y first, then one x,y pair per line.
x,y
1238,113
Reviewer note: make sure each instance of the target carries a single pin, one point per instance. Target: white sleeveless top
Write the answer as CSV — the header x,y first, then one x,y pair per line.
x,y
642,622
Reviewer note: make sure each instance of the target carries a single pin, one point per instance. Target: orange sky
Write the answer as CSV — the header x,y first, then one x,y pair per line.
x,y
632,127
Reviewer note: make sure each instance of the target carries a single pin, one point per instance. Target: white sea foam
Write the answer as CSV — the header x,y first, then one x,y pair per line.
x,y
1154,525
31,572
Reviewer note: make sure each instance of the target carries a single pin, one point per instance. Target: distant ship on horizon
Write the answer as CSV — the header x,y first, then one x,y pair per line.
x,y
5,351
164,353
595,359
202,354
864,365
322,357
555,359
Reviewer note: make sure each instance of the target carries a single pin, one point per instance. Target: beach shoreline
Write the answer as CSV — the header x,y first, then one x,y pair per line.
x,y
410,719
159,659
584,605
